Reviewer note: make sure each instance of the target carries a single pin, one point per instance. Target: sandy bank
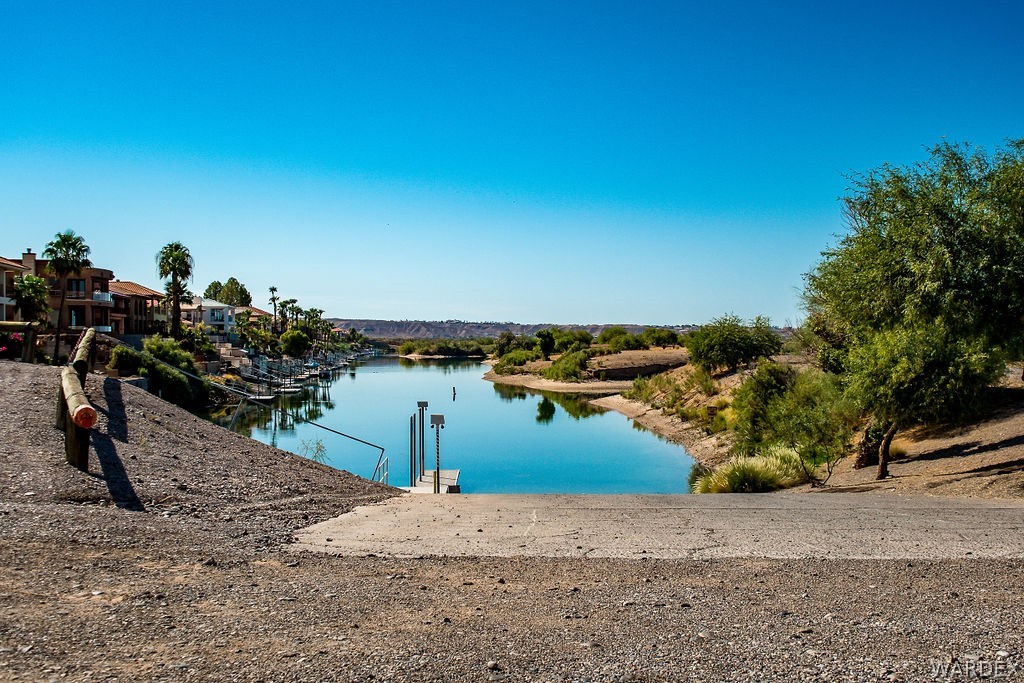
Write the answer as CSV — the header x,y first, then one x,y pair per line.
x,y
542,384
704,448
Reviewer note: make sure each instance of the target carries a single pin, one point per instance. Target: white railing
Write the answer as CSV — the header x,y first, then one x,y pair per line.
x,y
103,296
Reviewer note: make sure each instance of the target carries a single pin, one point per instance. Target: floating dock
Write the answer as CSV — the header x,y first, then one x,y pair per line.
x,y
425,484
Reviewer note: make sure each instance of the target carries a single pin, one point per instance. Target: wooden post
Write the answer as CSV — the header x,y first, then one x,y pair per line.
x,y
83,355
28,346
78,417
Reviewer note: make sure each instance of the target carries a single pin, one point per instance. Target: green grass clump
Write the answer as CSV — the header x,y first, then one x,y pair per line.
x,y
778,468
515,359
569,367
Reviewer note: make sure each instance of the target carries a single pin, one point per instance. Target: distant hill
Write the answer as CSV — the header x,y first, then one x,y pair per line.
x,y
460,329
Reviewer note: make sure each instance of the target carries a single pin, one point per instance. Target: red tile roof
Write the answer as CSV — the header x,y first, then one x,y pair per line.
x,y
127,288
8,264
253,312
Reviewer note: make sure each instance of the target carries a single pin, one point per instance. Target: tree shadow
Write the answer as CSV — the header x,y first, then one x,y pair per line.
x,y
117,421
118,484
970,448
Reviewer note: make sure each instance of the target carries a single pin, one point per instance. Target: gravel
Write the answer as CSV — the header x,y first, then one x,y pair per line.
x,y
167,562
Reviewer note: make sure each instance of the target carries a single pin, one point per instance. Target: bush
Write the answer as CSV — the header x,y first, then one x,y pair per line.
x,y
627,342
569,367
514,359
751,402
776,469
726,343
659,336
566,340
125,360
701,380
610,333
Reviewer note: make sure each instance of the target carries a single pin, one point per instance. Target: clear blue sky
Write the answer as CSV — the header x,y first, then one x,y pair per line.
x,y
572,162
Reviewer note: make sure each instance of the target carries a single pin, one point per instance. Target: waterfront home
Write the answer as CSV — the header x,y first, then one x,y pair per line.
x,y
217,317
137,309
88,302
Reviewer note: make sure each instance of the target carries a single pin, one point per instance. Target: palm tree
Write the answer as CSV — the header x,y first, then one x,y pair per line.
x,y
175,262
273,300
30,297
68,254
287,307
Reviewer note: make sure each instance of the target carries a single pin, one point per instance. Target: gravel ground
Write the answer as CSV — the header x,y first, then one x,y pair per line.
x,y
165,563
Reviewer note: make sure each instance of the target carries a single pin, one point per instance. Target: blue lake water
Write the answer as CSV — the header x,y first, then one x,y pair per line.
x,y
503,439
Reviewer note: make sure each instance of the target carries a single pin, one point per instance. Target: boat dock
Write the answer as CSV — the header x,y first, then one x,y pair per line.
x,y
425,483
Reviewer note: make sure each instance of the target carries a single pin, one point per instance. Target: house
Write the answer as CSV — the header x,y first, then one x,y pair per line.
x,y
218,318
137,309
9,270
88,301
255,314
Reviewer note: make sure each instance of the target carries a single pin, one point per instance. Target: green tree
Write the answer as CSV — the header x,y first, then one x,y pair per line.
x,y
295,343
546,342
175,261
727,343
234,293
30,297
922,373
68,254
921,298
212,291
943,239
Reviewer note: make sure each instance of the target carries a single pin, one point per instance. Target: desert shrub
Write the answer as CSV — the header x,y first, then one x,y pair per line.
x,y
507,342
701,380
714,418
564,339
726,343
777,469
610,333
751,403
627,342
172,385
514,359
659,336
569,367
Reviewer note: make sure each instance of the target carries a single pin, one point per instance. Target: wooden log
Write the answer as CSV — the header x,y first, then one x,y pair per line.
x,y
81,411
78,417
81,359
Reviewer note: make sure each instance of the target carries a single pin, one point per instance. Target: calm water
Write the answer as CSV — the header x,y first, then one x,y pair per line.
x,y
504,439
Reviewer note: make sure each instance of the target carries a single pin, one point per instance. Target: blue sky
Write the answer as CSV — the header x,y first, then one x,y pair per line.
x,y
570,162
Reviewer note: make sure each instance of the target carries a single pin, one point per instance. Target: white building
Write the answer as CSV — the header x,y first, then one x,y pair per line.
x,y
218,318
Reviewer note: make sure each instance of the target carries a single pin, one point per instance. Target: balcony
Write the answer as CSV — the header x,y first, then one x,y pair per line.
x,y
106,329
103,298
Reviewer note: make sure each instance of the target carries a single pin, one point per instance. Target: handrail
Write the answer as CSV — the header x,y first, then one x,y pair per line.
x,y
382,469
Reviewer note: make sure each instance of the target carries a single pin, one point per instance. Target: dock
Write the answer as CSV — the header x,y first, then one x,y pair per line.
x,y
425,483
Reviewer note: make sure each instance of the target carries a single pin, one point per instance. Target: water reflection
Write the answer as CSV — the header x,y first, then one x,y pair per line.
x,y
576,406
281,414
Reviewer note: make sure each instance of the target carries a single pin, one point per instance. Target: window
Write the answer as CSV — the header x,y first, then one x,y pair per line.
x,y
76,288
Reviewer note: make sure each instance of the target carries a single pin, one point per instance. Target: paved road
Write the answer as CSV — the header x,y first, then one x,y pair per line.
x,y
678,526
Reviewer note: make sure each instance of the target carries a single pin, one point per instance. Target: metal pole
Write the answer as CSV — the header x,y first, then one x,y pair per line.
x,y
412,450
437,467
422,405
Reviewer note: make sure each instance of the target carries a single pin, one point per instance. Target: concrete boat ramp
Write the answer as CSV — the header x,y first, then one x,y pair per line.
x,y
779,526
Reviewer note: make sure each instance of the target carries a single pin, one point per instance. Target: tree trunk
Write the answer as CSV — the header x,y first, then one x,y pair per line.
x,y
175,309
883,452
867,453
60,322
